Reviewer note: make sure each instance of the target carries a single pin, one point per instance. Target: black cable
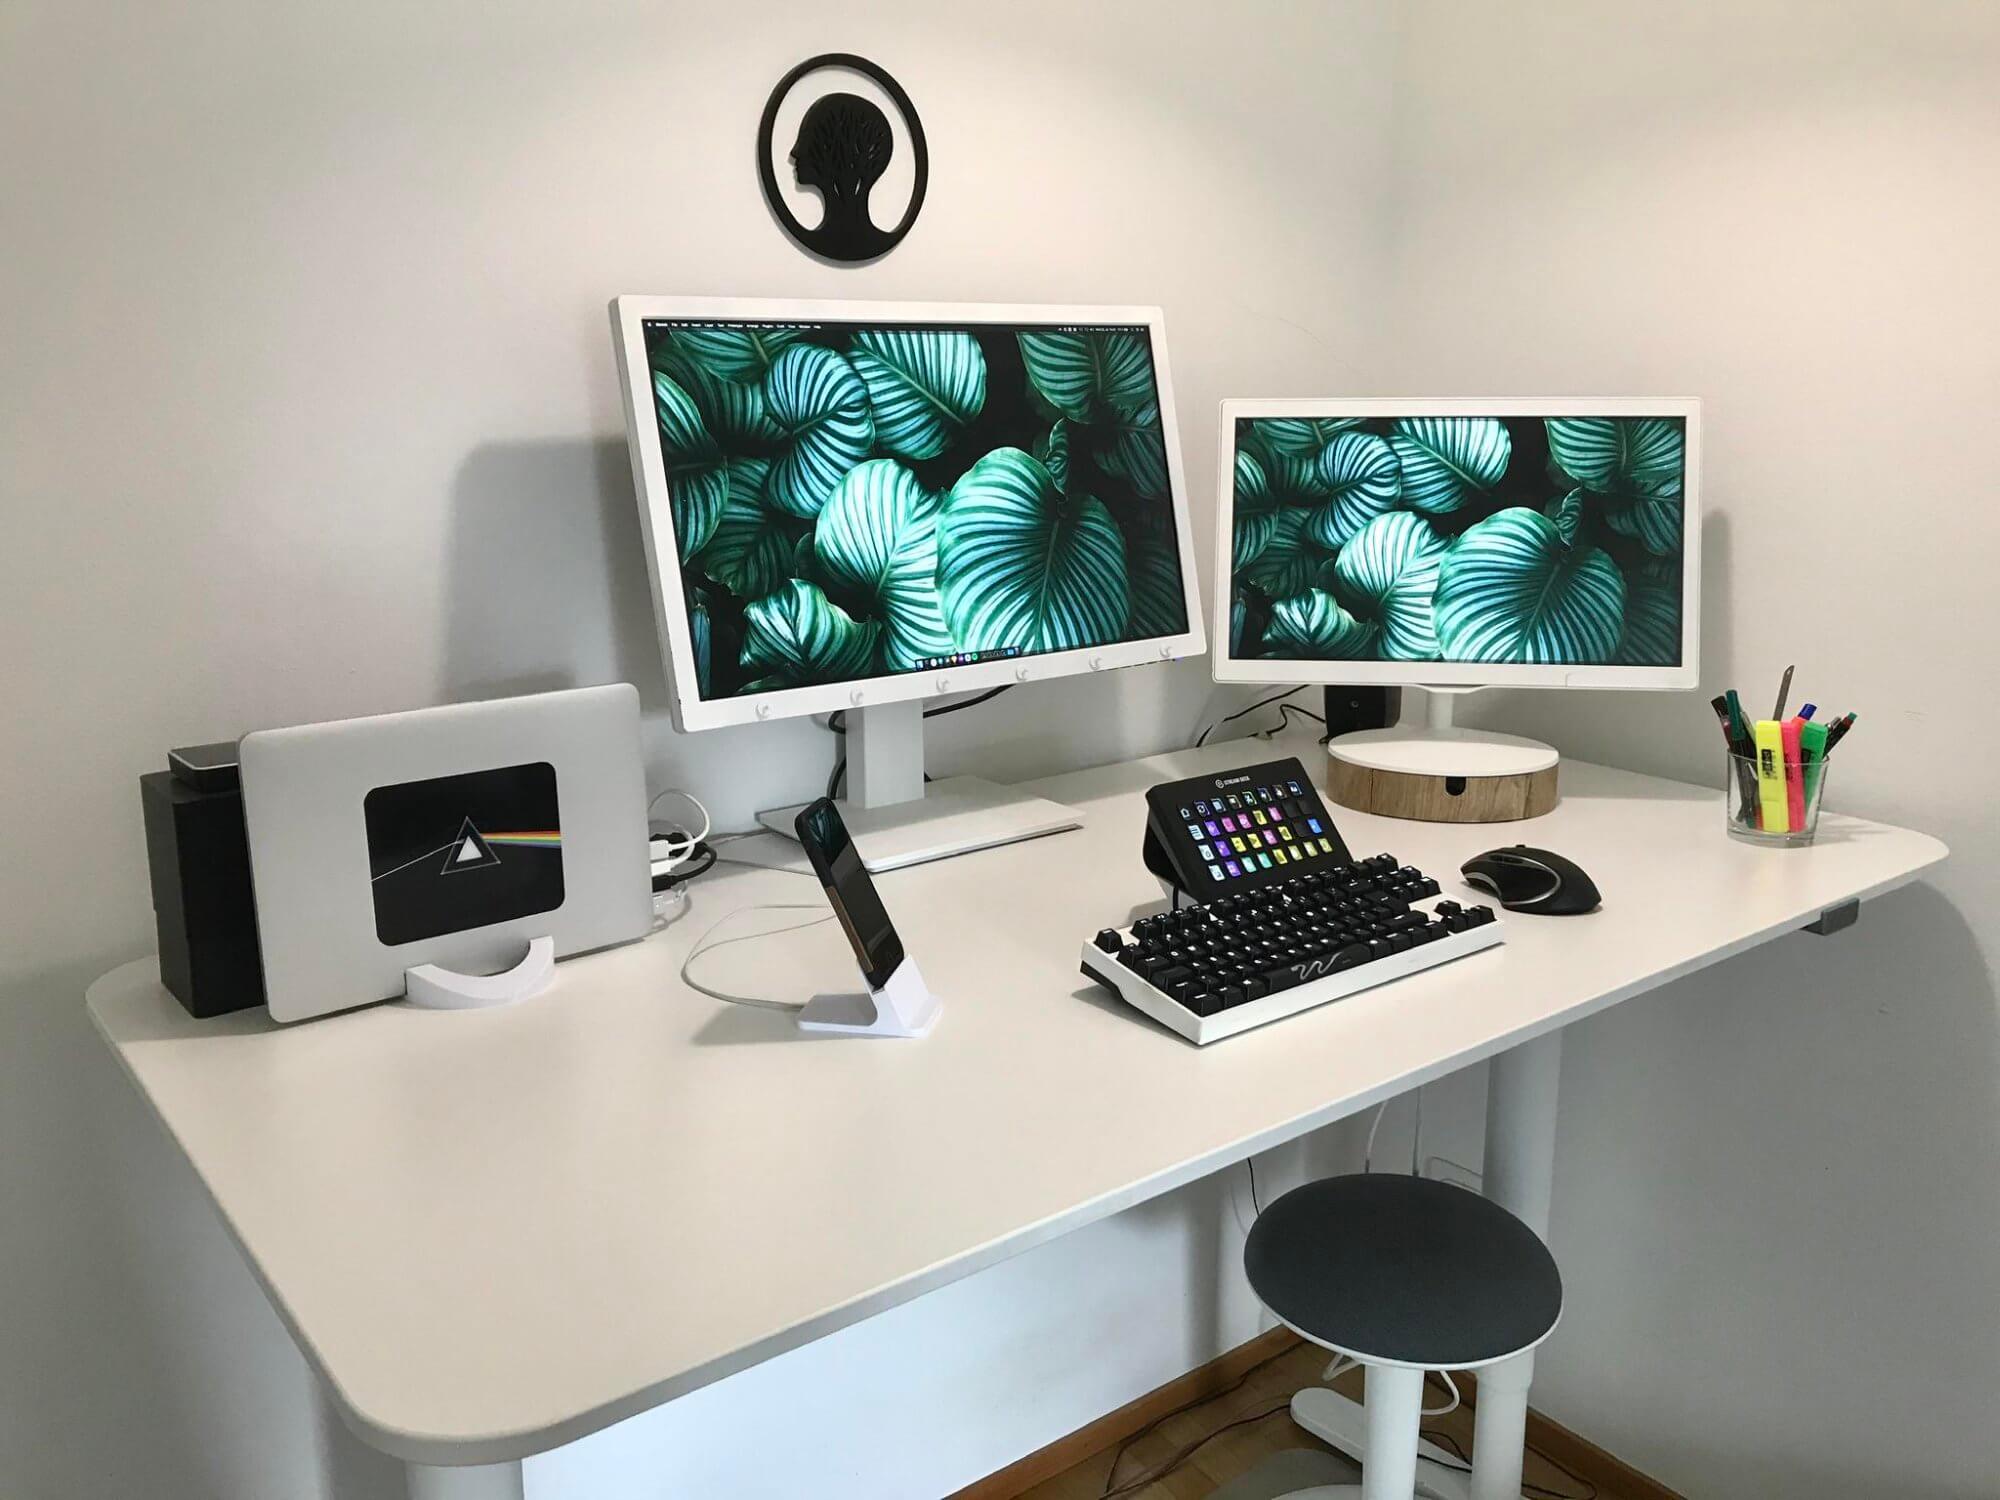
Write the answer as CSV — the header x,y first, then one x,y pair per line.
x,y
703,851
1251,1163
1260,703
1463,1464
1228,1390
1285,712
1155,1474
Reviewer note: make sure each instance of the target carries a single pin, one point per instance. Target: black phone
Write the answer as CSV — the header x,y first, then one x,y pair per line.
x,y
877,947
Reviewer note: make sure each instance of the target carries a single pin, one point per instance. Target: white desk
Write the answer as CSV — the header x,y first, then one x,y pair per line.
x,y
493,1232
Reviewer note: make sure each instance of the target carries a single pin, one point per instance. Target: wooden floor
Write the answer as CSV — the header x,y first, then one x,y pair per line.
x,y
1260,1404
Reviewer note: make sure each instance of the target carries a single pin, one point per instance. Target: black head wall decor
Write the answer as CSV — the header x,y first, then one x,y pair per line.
x,y
844,146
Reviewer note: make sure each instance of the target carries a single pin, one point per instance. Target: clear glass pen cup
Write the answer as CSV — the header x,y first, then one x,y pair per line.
x,y
1770,800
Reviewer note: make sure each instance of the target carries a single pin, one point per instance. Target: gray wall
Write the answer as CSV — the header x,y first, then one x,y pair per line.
x,y
1776,1204
311,413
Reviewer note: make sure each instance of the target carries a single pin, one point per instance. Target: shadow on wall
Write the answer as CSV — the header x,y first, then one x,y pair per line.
x,y
547,582
546,587
1853,1247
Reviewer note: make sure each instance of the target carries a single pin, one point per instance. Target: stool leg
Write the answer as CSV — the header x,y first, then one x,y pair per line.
x,y
1500,1428
1395,1400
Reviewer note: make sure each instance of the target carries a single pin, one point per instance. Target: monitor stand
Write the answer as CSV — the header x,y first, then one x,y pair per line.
x,y
1439,772
897,818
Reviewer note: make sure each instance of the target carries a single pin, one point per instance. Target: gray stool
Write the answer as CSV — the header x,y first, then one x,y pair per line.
x,y
1404,1275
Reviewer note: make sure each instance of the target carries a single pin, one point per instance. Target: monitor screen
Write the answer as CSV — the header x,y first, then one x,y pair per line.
x,y
1538,540
852,500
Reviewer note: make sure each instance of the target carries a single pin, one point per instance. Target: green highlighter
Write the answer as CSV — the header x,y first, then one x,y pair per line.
x,y
1812,755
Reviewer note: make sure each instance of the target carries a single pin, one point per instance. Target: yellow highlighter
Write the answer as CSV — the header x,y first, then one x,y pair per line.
x,y
1771,798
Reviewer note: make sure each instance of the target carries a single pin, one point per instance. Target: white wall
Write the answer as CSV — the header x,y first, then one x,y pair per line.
x,y
310,412
1776,1202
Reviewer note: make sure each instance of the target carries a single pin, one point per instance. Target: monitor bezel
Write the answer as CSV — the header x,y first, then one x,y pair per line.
x,y
629,315
1228,667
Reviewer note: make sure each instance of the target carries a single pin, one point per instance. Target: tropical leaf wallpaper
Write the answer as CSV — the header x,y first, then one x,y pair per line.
x,y
850,501
1464,539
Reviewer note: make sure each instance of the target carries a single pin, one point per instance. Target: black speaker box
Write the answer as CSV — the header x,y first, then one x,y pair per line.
x,y
203,908
1352,708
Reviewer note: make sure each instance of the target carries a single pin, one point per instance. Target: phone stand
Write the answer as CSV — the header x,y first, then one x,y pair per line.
x,y
902,1007
436,988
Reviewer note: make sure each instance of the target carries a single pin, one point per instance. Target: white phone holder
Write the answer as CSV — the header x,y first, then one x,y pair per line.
x,y
437,988
904,1006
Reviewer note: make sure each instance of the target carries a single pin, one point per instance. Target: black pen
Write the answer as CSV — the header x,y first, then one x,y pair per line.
x,y
1784,692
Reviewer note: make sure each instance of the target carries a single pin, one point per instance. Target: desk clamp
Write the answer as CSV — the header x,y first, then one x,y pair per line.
x,y
1834,918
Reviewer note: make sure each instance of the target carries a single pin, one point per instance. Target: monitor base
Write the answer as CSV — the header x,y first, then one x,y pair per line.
x,y
955,815
1442,775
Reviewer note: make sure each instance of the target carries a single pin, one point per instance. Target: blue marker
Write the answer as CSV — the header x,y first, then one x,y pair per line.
x,y
1809,710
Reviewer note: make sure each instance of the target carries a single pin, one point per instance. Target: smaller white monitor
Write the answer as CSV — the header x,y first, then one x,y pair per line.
x,y
1460,543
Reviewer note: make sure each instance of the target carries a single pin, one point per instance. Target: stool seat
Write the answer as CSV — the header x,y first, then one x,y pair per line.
x,y
1398,1270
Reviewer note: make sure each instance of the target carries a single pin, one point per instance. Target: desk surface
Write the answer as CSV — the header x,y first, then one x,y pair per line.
x,y
493,1232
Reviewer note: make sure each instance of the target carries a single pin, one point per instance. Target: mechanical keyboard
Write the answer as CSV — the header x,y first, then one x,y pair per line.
x,y
1258,955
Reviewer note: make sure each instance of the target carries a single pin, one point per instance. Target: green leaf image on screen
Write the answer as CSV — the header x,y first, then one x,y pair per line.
x,y
798,636
695,474
742,354
855,500
1453,538
822,405
1634,467
1362,478
1388,574
1312,625
750,550
877,537
1511,589
1446,459
1087,376
1021,564
924,385
1302,437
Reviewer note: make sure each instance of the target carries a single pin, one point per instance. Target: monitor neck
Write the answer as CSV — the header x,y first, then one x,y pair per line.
x,y
1438,704
885,754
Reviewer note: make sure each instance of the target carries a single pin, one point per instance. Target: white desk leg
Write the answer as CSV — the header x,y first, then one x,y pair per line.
x,y
480,1482
1519,1175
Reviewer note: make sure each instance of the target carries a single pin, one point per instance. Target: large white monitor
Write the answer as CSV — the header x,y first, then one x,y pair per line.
x,y
852,506
1456,544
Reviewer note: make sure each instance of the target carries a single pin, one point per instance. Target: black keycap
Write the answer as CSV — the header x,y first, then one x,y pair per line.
x,y
1404,920
1379,948
1351,955
1232,994
1280,977
1446,908
1255,988
1108,941
1480,915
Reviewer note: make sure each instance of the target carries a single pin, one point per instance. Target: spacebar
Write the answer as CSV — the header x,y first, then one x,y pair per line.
x,y
1286,976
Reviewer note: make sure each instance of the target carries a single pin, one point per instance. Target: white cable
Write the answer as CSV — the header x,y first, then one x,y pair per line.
x,y
707,941
680,841
1368,1151
1439,1411
1417,1136
669,906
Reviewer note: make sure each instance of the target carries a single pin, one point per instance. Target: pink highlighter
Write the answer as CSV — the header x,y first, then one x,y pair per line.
x,y
1795,780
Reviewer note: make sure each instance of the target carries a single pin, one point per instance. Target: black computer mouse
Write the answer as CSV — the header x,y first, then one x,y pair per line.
x,y
1532,880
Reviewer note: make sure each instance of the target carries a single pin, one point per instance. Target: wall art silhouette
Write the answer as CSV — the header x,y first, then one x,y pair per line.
x,y
844,146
